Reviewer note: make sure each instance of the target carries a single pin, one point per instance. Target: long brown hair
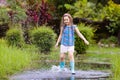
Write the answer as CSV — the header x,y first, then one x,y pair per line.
x,y
62,20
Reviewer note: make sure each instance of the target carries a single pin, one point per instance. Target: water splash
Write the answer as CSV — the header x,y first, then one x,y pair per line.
x,y
57,69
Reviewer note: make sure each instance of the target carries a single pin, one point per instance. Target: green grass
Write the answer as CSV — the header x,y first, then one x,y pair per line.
x,y
101,54
97,49
116,66
55,54
12,59
111,55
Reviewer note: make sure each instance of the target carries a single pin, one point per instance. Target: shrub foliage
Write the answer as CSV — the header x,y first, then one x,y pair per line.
x,y
44,38
87,32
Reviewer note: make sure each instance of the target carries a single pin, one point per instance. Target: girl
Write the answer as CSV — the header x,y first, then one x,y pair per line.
x,y
66,38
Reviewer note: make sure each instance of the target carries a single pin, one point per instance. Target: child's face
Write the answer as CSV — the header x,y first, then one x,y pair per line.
x,y
66,20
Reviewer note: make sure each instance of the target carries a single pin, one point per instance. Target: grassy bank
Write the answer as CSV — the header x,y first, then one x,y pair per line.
x,y
116,66
101,54
111,55
12,59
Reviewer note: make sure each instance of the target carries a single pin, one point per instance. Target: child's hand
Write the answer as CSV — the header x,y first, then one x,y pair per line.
x,y
86,42
56,45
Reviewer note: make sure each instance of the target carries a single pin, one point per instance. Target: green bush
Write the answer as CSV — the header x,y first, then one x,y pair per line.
x,y
111,39
14,37
109,42
83,9
112,12
43,37
4,15
87,32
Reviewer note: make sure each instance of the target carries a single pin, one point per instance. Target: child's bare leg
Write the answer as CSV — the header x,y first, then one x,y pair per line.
x,y
62,56
72,63
71,56
62,60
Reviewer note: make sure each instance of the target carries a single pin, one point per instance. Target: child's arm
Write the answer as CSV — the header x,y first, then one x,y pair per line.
x,y
60,36
81,36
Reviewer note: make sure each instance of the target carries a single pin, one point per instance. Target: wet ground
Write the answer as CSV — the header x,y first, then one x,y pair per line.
x,y
55,74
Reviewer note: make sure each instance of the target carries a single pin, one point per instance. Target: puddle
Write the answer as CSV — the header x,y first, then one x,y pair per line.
x,y
55,74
